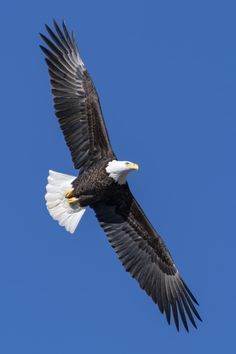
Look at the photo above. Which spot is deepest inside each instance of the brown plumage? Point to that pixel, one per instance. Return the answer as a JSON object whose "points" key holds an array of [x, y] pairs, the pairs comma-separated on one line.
{"points": [[137, 244], [76, 101]]}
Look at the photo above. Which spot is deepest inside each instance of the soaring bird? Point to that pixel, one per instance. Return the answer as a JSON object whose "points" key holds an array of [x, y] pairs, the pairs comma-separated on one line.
{"points": [[101, 183]]}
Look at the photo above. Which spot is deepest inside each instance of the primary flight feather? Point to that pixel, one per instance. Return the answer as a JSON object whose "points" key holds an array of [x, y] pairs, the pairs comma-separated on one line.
{"points": [[101, 183]]}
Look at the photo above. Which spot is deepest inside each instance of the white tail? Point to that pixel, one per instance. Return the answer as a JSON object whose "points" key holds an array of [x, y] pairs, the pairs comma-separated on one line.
{"points": [[67, 215]]}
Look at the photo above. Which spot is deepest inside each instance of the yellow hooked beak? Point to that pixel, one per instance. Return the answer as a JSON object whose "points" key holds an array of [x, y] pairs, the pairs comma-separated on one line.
{"points": [[134, 166]]}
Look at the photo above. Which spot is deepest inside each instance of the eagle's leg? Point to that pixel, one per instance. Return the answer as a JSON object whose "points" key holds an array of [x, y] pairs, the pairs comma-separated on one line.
{"points": [[83, 200], [70, 197], [87, 199]]}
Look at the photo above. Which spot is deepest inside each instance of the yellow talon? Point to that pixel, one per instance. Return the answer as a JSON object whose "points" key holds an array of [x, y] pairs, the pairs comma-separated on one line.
{"points": [[70, 197], [72, 200], [69, 194]]}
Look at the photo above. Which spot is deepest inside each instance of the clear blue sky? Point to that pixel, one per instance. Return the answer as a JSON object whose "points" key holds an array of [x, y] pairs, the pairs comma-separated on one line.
{"points": [[166, 75]]}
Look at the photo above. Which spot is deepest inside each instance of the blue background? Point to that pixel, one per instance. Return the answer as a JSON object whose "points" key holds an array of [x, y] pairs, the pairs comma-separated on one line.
{"points": [[166, 75]]}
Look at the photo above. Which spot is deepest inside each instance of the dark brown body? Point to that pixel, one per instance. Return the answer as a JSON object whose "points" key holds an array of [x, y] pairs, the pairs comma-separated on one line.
{"points": [[94, 185]]}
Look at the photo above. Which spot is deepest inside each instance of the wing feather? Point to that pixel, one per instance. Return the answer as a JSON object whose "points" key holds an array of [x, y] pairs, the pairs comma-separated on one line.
{"points": [[144, 254], [76, 101]]}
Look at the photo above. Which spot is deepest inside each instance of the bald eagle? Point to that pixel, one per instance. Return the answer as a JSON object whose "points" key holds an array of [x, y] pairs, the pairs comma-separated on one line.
{"points": [[101, 183]]}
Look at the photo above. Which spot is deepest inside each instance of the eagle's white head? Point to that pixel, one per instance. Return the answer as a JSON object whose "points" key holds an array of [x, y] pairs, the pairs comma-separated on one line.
{"points": [[118, 170]]}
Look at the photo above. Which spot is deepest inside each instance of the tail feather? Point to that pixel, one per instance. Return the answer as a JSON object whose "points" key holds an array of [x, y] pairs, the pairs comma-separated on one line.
{"points": [[67, 215]]}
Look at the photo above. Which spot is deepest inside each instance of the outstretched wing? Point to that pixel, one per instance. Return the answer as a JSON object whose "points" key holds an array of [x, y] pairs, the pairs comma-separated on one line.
{"points": [[76, 101], [143, 254]]}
